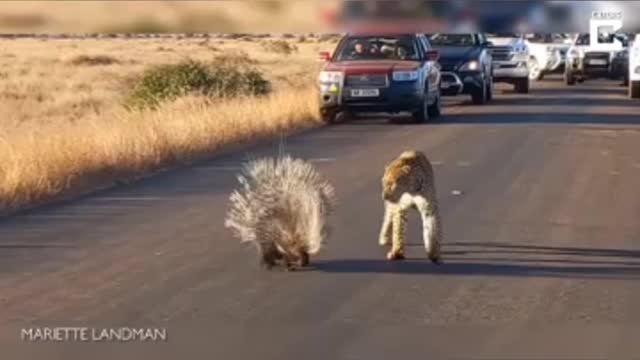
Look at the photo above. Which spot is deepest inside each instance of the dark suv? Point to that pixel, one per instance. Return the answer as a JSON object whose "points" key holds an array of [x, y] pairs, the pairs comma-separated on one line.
{"points": [[466, 66], [381, 73]]}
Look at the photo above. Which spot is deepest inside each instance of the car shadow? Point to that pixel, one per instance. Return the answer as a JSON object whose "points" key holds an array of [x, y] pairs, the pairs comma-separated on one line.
{"points": [[539, 118], [461, 259], [551, 100]]}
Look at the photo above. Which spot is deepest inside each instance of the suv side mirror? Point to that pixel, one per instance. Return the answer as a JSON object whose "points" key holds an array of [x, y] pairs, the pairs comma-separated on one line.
{"points": [[325, 56], [432, 55]]}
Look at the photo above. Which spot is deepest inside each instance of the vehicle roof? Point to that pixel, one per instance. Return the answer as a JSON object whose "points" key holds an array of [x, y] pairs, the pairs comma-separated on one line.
{"points": [[382, 33]]}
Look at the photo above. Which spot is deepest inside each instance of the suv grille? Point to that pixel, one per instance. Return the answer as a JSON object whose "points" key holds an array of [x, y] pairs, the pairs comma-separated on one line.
{"points": [[501, 53], [597, 55], [602, 59], [447, 65], [377, 80]]}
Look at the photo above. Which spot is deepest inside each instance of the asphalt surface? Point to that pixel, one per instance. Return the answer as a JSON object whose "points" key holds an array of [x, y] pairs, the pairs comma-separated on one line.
{"points": [[541, 212]]}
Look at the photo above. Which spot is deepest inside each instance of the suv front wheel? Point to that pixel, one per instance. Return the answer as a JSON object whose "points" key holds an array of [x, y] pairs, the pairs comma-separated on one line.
{"points": [[634, 89], [435, 109], [522, 85], [479, 95], [328, 116], [569, 78], [422, 114]]}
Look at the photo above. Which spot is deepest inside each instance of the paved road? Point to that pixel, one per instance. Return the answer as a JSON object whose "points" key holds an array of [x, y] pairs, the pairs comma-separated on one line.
{"points": [[542, 248]]}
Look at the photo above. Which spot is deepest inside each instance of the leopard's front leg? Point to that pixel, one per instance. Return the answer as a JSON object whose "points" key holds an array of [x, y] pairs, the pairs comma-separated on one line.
{"points": [[399, 220], [387, 225]]}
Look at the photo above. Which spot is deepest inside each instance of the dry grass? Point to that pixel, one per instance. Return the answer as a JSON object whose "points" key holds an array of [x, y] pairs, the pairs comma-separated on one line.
{"points": [[160, 16], [64, 129], [94, 60]]}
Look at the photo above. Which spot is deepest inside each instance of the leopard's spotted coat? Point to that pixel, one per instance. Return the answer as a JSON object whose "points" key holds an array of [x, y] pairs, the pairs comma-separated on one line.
{"points": [[408, 183]]}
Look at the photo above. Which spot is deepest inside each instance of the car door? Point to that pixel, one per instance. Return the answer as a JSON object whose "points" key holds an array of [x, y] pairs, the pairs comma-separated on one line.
{"points": [[431, 69], [485, 57]]}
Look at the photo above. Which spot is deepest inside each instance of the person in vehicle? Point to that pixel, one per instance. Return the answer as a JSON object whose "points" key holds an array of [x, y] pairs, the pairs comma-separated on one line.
{"points": [[402, 53], [358, 50]]}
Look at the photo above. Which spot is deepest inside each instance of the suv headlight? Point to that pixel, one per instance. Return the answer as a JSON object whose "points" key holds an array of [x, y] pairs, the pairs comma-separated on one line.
{"points": [[520, 49], [330, 77], [472, 65], [623, 54], [405, 75]]}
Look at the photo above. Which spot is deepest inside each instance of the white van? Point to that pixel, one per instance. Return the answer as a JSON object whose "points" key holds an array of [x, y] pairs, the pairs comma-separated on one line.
{"points": [[634, 68]]}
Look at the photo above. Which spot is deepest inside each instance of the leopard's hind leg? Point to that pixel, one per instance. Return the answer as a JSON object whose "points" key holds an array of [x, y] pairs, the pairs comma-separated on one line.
{"points": [[431, 228]]}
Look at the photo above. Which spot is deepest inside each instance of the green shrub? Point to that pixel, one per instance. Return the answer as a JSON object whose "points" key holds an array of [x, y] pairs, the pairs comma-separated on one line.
{"points": [[168, 82]]}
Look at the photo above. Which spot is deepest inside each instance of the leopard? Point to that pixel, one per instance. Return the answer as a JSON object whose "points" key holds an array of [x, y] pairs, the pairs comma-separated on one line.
{"points": [[409, 183]]}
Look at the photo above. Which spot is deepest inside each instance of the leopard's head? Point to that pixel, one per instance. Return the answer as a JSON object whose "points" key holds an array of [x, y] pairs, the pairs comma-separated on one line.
{"points": [[395, 182]]}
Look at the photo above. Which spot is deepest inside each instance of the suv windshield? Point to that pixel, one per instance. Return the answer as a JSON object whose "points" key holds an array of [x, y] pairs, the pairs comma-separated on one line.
{"points": [[453, 40], [603, 38], [400, 47], [503, 35], [547, 38]]}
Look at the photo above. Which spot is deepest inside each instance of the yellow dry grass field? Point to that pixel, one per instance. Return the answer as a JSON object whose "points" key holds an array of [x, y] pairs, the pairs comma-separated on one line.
{"points": [[64, 128], [160, 16]]}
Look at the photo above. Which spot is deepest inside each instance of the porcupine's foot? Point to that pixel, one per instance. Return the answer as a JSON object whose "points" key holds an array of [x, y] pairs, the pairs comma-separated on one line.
{"points": [[267, 263], [289, 263], [395, 255]]}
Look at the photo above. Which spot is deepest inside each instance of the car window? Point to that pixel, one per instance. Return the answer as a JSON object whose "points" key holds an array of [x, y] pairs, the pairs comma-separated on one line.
{"points": [[603, 38], [453, 40], [426, 45], [546, 38], [400, 47]]}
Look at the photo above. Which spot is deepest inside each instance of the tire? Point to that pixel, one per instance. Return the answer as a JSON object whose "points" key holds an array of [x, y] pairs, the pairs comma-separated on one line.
{"points": [[522, 86], [569, 79], [634, 89], [535, 73], [421, 116], [479, 95], [328, 116], [435, 109], [490, 89]]}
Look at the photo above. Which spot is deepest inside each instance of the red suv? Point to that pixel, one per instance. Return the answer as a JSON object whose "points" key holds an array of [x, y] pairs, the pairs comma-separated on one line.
{"points": [[381, 73]]}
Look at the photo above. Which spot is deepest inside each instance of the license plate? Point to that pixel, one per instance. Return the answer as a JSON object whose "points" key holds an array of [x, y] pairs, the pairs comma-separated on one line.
{"points": [[365, 92], [597, 62], [445, 85]]}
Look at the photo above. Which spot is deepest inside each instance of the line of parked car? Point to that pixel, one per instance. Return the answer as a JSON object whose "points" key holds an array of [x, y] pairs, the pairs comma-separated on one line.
{"points": [[372, 72]]}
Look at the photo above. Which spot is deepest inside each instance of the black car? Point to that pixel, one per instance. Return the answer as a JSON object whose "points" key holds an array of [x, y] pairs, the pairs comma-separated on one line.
{"points": [[465, 64]]}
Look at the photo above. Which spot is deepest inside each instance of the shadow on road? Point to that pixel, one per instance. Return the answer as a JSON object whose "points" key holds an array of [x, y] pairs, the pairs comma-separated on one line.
{"points": [[578, 89], [551, 100], [575, 263], [498, 247], [538, 118]]}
